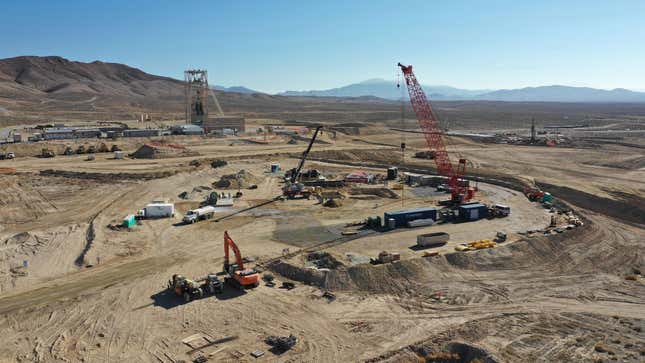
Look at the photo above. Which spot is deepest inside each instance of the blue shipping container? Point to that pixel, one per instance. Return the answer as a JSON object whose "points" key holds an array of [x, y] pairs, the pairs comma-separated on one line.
{"points": [[402, 217], [472, 211]]}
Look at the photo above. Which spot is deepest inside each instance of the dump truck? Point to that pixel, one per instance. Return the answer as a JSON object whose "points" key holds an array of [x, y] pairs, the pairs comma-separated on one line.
{"points": [[199, 214]]}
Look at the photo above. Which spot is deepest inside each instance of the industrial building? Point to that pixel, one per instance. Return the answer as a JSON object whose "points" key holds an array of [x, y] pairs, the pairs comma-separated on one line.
{"points": [[403, 217], [221, 123], [472, 211], [70, 133], [142, 132], [187, 130]]}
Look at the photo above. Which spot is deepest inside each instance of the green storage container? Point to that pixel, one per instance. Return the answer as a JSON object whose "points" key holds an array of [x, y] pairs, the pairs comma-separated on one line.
{"points": [[129, 221], [547, 197]]}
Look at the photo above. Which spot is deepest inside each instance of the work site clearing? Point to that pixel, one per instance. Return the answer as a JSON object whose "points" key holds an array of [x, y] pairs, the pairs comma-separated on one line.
{"points": [[331, 246]]}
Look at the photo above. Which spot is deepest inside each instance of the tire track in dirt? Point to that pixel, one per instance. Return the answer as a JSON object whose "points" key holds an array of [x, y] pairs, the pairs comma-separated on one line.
{"points": [[85, 282]]}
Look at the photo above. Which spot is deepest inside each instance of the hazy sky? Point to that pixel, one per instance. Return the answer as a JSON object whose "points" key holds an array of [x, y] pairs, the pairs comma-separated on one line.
{"points": [[294, 45]]}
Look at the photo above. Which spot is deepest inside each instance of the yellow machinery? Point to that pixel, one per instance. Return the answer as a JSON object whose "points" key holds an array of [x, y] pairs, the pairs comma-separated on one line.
{"points": [[476, 245]]}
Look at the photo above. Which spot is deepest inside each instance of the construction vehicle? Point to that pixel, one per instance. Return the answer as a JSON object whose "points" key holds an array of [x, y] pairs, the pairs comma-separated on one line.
{"points": [[533, 194], [68, 151], [500, 237], [498, 211], [476, 245], [433, 133], [385, 257], [102, 148], [46, 153], [186, 288], [81, 149], [212, 284], [238, 276], [293, 188], [91, 149], [7, 156], [281, 344], [115, 148], [199, 214]]}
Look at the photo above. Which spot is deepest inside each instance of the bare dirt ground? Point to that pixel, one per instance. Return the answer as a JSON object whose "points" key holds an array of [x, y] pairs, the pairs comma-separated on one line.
{"points": [[92, 294]]}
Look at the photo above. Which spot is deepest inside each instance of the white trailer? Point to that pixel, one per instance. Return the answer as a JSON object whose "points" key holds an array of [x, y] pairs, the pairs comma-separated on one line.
{"points": [[158, 210], [199, 214]]}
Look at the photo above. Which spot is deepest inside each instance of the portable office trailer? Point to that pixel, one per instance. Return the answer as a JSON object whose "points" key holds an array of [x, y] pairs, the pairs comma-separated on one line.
{"points": [[472, 211], [401, 218]]}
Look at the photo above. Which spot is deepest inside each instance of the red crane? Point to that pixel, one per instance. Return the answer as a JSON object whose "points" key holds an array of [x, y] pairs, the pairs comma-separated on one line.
{"points": [[429, 124]]}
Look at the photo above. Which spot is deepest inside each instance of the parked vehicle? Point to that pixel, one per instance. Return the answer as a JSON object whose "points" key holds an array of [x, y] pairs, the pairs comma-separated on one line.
{"points": [[199, 214], [8, 155], [186, 288]]}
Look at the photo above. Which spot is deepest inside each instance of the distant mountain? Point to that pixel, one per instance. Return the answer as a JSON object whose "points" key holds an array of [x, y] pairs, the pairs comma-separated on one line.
{"points": [[236, 89], [57, 78], [564, 94], [386, 89], [38, 88]]}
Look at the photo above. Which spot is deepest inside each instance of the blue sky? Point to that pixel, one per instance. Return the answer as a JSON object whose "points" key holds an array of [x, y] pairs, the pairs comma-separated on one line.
{"points": [[294, 45]]}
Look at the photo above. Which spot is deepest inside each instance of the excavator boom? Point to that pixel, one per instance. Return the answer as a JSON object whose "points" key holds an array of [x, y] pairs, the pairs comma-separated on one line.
{"points": [[229, 243], [242, 277]]}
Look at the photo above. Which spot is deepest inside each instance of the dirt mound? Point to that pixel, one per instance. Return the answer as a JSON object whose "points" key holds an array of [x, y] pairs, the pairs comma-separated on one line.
{"points": [[388, 156], [333, 203], [217, 163], [324, 260], [629, 164], [107, 177], [626, 207], [379, 192], [242, 179]]}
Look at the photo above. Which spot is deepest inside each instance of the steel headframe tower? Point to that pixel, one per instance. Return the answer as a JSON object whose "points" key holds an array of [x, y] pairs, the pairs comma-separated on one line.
{"points": [[197, 91], [429, 124]]}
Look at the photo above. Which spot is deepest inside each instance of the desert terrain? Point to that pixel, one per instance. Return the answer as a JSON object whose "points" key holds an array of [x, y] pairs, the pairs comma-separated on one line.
{"points": [[75, 288]]}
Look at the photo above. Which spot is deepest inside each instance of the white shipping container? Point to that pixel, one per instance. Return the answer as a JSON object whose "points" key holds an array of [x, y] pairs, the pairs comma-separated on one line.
{"points": [[432, 239], [159, 210]]}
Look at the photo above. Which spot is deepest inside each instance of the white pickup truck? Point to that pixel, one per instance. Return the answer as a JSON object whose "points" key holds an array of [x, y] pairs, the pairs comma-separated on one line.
{"points": [[199, 214]]}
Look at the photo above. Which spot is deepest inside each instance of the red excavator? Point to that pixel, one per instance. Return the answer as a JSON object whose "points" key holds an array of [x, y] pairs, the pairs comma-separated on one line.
{"points": [[239, 276]]}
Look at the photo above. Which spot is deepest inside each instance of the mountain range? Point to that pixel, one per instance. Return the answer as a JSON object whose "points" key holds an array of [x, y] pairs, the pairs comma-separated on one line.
{"points": [[52, 87], [556, 93], [49, 85]]}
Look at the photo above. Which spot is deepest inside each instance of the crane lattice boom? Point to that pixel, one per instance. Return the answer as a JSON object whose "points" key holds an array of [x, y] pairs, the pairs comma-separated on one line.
{"points": [[429, 124]]}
